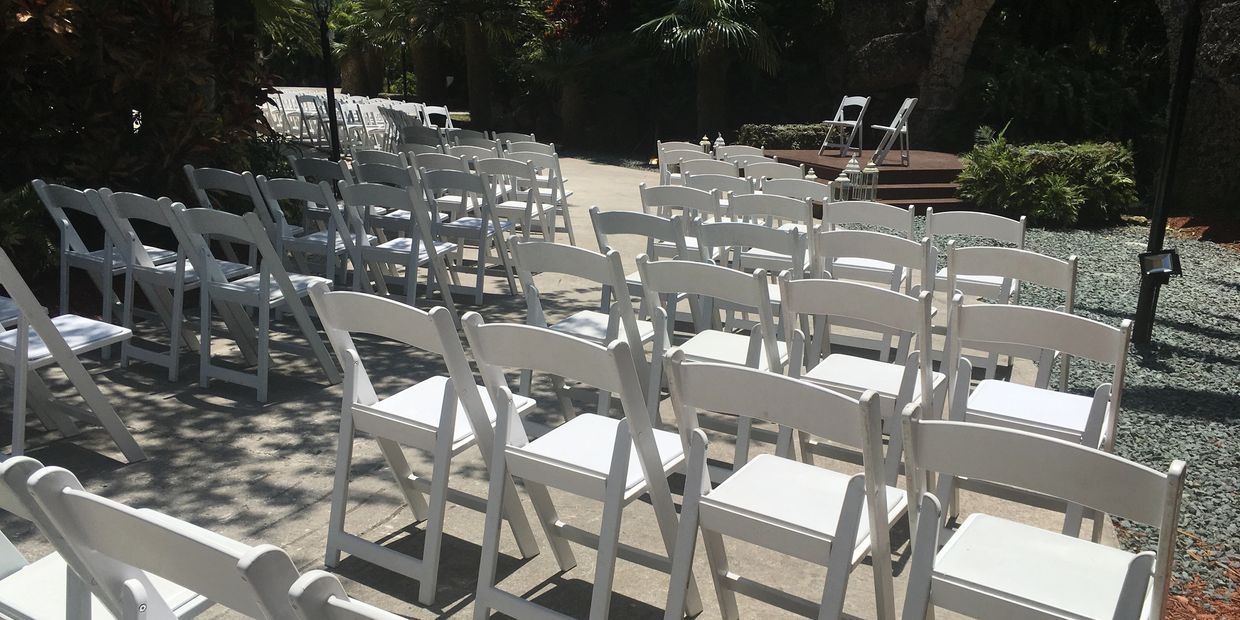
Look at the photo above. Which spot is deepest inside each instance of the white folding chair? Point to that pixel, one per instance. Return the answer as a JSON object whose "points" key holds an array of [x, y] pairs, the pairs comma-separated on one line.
{"points": [[419, 245], [455, 135], [694, 205], [215, 188], [37, 342], [319, 595], [441, 415], [515, 184], [103, 264], [760, 171], [611, 461], [119, 211], [53, 586], [504, 137], [772, 211], [670, 160], [862, 266], [814, 514], [551, 183], [251, 580], [816, 304], [367, 156], [317, 170], [1086, 420], [471, 152], [652, 228], [896, 131], [597, 326], [416, 134], [728, 152], [846, 130], [968, 269], [485, 230], [995, 568], [709, 289], [439, 111], [271, 288], [975, 224], [330, 245], [720, 184], [747, 246]]}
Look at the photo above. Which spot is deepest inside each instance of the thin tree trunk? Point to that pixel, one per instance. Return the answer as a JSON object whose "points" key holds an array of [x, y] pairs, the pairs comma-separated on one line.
{"points": [[574, 111], [478, 74], [425, 64], [712, 92]]}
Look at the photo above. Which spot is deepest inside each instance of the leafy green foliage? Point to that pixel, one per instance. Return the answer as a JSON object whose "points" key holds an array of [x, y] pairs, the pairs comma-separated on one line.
{"points": [[697, 29], [1054, 184], [799, 136]]}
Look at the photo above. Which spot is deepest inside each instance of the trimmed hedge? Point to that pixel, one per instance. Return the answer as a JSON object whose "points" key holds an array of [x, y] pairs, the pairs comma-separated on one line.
{"points": [[800, 136], [1054, 184]]}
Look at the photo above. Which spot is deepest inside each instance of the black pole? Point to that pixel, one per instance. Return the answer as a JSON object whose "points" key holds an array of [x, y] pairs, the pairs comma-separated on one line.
{"points": [[1176, 111], [404, 72], [329, 79]]}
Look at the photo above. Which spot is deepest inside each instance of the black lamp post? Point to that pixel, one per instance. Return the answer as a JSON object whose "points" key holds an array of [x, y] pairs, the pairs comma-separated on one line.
{"points": [[404, 71], [322, 10]]}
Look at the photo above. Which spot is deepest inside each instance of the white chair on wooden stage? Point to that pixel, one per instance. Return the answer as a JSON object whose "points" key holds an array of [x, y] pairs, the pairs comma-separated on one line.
{"points": [[441, 415], [895, 133], [38, 341], [251, 580], [611, 461], [846, 130], [814, 514], [56, 585], [995, 568]]}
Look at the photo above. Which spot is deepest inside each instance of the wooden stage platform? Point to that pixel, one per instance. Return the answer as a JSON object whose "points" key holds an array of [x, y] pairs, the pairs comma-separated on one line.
{"points": [[928, 180]]}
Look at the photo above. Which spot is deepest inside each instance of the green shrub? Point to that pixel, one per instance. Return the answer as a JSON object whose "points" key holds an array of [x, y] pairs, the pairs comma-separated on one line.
{"points": [[1053, 184], [801, 136]]}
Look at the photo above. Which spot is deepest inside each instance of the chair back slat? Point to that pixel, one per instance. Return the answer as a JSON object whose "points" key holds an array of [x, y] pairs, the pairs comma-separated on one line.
{"points": [[834, 244], [774, 170], [798, 188], [976, 224], [866, 213], [544, 257], [664, 277], [666, 200], [1041, 328], [771, 208], [720, 183], [396, 176], [852, 300], [316, 169], [706, 165], [508, 345], [1013, 263], [439, 161]]}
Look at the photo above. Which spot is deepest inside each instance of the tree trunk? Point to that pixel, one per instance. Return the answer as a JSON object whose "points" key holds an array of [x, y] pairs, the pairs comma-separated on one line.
{"points": [[424, 62], [712, 92], [952, 26], [478, 74], [574, 111]]}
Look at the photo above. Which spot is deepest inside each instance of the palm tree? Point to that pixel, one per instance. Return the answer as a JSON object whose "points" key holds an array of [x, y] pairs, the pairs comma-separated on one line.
{"points": [[712, 34]]}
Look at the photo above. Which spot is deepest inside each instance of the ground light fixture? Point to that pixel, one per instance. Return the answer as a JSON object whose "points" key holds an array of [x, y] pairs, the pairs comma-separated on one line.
{"points": [[323, 10], [1156, 270]]}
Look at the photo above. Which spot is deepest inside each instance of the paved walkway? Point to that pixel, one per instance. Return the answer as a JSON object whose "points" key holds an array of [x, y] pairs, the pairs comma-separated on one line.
{"points": [[263, 474]]}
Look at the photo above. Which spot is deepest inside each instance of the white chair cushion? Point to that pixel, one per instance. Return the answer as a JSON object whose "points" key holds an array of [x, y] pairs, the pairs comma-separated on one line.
{"points": [[38, 591], [586, 442], [80, 333], [858, 374], [1075, 577], [471, 225], [231, 270], [726, 348], [251, 285], [1025, 407], [404, 245], [592, 325], [420, 403]]}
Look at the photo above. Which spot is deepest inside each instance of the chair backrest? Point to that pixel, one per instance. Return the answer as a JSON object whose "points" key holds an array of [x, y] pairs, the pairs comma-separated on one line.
{"points": [[314, 169], [251, 580], [439, 161], [745, 160], [360, 198], [861, 103], [417, 134], [529, 146], [798, 188], [1013, 264], [727, 152], [412, 150], [370, 156], [438, 111], [669, 200], [673, 145], [195, 227], [396, 176], [742, 391], [720, 183], [611, 369], [319, 595], [471, 187], [205, 181], [763, 170], [902, 115], [469, 134], [865, 213], [117, 212], [975, 224], [504, 137], [1054, 467], [468, 152], [56, 199], [708, 166], [507, 177], [771, 210], [546, 163], [651, 227], [677, 156], [277, 191], [911, 255], [733, 241]]}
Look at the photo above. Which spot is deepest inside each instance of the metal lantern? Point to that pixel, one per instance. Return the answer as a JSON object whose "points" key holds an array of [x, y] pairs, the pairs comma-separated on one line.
{"points": [[705, 143], [869, 183], [811, 175], [840, 188], [719, 141]]}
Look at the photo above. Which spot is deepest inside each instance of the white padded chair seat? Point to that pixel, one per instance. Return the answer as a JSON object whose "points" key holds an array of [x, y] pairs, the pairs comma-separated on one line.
{"points": [[250, 285], [586, 442], [1028, 408], [1065, 576], [158, 256], [470, 225], [420, 403], [865, 264], [791, 494], [726, 348], [80, 333], [9, 312], [404, 245], [546, 193], [38, 591], [231, 270], [519, 205], [319, 240], [402, 215], [592, 325], [858, 374]]}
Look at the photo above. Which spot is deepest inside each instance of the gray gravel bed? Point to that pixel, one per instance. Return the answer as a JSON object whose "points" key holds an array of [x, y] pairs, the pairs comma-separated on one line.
{"points": [[1182, 398]]}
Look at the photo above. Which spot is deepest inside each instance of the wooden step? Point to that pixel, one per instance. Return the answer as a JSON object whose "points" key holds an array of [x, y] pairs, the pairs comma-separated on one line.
{"points": [[915, 190]]}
